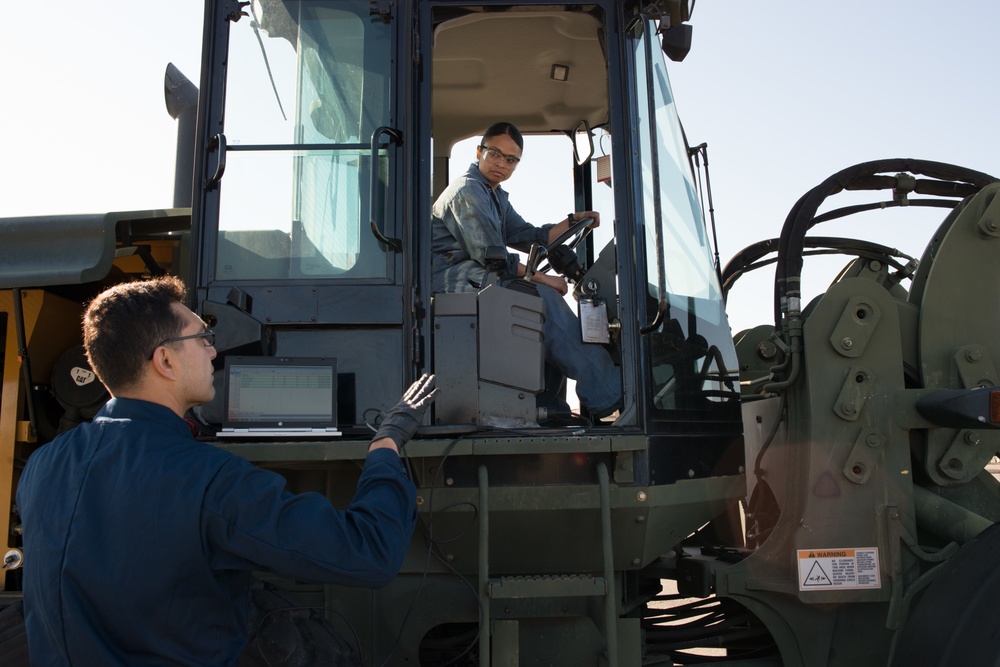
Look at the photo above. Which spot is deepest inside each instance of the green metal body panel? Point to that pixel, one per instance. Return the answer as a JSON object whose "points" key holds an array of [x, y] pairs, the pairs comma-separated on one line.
{"points": [[75, 249], [855, 464]]}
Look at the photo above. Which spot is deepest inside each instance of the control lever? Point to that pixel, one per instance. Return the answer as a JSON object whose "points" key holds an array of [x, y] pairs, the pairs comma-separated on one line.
{"points": [[535, 255], [498, 261]]}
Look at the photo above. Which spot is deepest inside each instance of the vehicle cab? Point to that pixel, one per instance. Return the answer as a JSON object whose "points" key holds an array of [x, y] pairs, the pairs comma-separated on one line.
{"points": [[338, 127]]}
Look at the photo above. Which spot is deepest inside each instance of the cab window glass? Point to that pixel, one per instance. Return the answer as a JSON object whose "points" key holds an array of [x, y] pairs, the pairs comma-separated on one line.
{"points": [[689, 370], [308, 83]]}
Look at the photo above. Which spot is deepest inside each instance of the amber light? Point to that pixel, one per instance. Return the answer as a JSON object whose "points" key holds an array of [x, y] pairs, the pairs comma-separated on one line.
{"points": [[995, 406]]}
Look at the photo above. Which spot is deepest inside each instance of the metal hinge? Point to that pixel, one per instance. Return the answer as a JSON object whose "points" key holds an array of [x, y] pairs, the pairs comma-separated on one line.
{"points": [[381, 9], [234, 9]]}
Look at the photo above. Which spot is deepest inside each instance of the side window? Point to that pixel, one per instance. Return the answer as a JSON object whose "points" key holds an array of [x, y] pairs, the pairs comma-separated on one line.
{"points": [[308, 83], [688, 368], [676, 242]]}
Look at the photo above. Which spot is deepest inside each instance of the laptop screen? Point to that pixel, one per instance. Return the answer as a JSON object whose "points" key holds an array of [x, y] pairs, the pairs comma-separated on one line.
{"points": [[280, 392]]}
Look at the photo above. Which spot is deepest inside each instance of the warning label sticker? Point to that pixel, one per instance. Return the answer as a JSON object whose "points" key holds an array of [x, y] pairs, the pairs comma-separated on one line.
{"points": [[838, 569]]}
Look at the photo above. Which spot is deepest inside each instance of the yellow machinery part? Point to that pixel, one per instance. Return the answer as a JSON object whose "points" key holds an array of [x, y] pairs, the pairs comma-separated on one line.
{"points": [[51, 326]]}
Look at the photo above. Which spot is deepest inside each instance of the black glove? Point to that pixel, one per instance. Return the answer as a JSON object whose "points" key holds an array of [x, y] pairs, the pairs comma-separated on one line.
{"points": [[400, 423]]}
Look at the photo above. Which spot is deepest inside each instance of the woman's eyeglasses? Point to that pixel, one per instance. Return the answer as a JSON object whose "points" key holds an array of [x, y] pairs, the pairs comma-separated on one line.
{"points": [[494, 155]]}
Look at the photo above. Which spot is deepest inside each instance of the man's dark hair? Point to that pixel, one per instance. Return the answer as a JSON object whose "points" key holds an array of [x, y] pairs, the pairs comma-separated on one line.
{"points": [[124, 324], [498, 129]]}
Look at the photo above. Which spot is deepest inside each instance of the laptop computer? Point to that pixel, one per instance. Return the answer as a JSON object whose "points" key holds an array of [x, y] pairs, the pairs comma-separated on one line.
{"points": [[279, 397]]}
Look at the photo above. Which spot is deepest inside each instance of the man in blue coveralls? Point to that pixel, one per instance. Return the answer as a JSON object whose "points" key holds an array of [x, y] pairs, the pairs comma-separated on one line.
{"points": [[139, 541]]}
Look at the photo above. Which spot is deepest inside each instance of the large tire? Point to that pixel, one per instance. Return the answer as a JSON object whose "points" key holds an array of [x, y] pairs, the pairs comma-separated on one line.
{"points": [[955, 622]]}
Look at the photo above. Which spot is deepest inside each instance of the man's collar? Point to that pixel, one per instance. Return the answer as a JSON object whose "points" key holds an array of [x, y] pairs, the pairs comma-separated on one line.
{"points": [[135, 408]]}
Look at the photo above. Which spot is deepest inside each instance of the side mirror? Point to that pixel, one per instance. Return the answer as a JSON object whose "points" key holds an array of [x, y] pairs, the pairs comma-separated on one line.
{"points": [[676, 41], [583, 142]]}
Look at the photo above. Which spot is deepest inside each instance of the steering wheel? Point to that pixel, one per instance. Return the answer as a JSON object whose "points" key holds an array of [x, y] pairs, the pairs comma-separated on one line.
{"points": [[580, 229]]}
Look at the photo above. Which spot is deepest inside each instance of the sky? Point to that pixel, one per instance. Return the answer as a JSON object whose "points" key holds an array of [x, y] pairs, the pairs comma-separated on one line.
{"points": [[785, 93]]}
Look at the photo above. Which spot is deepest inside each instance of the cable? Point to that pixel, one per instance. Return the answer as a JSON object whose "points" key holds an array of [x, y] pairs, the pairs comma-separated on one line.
{"points": [[757, 472], [430, 548], [482, 612], [256, 31]]}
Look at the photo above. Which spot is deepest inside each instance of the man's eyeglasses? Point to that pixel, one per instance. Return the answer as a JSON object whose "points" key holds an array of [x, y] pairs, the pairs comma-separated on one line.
{"points": [[494, 155], [208, 335]]}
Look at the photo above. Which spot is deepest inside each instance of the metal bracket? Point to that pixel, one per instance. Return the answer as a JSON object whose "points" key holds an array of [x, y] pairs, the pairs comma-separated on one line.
{"points": [[381, 9], [855, 328], [234, 10], [969, 452], [975, 366], [989, 227], [859, 386], [864, 456]]}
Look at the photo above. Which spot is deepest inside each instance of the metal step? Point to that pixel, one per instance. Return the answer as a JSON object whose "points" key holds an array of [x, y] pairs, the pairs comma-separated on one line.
{"points": [[547, 586]]}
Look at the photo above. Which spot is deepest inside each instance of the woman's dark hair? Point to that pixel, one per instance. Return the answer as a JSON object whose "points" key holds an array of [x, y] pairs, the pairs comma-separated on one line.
{"points": [[124, 324], [497, 129]]}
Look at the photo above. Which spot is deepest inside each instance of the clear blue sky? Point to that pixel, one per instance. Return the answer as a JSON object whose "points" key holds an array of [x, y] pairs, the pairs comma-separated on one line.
{"points": [[785, 93], [788, 92]]}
